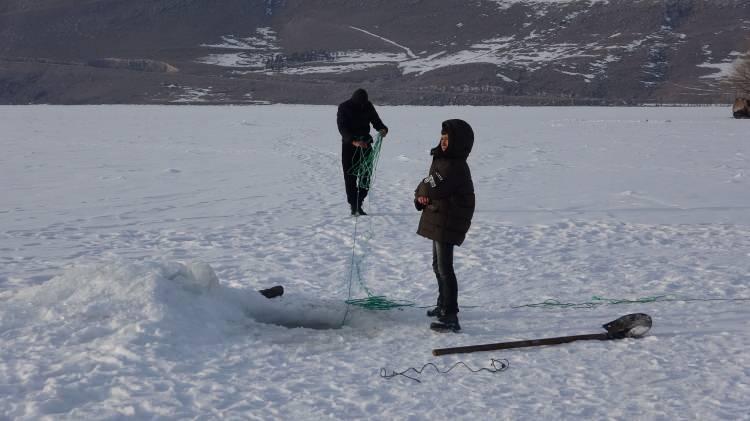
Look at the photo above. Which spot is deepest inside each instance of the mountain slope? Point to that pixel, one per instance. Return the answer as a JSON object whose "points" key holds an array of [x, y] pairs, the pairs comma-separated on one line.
{"points": [[421, 52]]}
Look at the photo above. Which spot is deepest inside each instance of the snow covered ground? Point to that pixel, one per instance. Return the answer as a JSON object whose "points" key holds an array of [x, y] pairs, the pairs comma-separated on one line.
{"points": [[133, 238]]}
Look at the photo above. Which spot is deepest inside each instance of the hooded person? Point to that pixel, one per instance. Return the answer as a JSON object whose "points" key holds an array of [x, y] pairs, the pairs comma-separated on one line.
{"points": [[446, 199], [354, 118]]}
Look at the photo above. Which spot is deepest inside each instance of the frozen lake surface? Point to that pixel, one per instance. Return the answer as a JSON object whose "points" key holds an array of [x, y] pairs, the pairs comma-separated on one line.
{"points": [[133, 239]]}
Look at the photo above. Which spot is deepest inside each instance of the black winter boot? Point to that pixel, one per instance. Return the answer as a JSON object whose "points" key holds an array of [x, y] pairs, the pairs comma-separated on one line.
{"points": [[435, 312], [445, 323], [357, 210]]}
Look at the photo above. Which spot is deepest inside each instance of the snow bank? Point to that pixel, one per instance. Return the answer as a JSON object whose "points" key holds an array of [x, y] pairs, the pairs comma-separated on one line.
{"points": [[84, 343], [143, 301], [153, 301]]}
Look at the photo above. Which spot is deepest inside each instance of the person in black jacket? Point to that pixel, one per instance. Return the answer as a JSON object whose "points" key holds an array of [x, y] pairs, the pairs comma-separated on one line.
{"points": [[446, 199], [354, 118]]}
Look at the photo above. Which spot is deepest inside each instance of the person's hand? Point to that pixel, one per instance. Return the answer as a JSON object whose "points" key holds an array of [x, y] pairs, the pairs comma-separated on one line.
{"points": [[423, 200], [360, 144], [383, 132]]}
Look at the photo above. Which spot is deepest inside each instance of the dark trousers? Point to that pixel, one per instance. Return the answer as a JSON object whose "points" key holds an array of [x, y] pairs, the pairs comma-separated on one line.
{"points": [[442, 264], [354, 195]]}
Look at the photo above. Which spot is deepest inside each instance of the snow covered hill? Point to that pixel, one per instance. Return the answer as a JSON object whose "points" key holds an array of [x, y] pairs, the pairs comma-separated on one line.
{"points": [[616, 52], [133, 240]]}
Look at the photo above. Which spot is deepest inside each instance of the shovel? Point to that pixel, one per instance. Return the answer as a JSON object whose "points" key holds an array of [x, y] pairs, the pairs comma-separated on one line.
{"points": [[630, 326]]}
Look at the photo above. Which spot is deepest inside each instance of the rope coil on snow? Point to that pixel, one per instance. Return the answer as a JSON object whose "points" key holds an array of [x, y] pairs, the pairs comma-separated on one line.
{"points": [[364, 164]]}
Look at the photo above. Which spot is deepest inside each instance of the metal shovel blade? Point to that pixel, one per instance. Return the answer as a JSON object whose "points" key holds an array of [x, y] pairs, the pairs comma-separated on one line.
{"points": [[633, 325]]}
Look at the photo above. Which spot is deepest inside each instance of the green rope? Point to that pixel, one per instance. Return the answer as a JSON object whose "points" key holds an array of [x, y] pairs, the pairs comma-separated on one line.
{"points": [[364, 164], [599, 301], [378, 302]]}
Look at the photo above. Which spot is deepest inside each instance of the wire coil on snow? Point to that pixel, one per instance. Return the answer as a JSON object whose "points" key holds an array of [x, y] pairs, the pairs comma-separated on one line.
{"points": [[496, 366]]}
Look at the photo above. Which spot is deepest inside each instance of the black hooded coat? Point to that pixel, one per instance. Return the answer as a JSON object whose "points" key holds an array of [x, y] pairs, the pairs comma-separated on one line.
{"points": [[449, 187], [354, 117]]}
